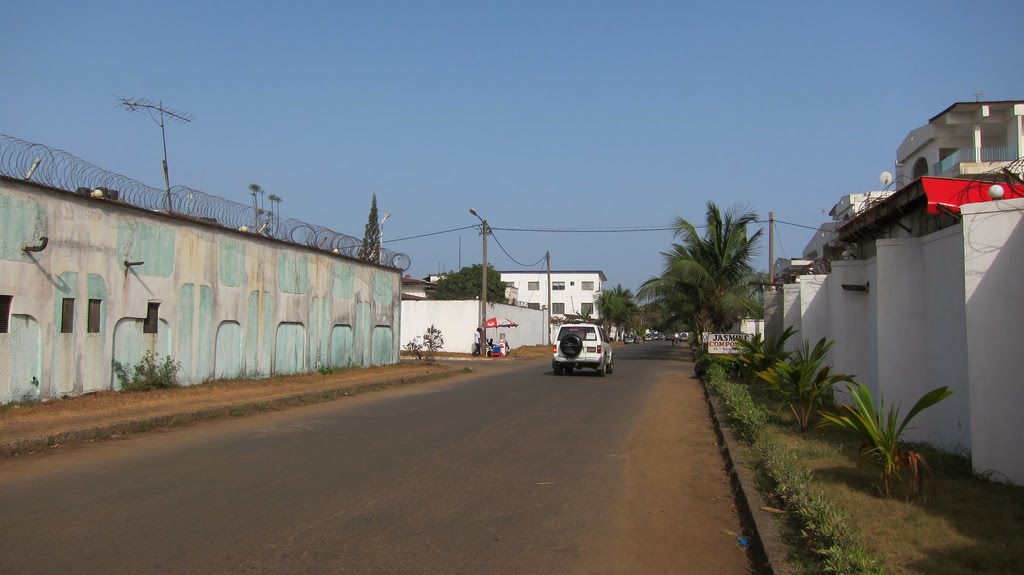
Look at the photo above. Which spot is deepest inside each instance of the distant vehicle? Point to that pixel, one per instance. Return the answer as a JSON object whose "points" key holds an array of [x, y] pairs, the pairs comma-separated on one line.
{"points": [[629, 338], [582, 345]]}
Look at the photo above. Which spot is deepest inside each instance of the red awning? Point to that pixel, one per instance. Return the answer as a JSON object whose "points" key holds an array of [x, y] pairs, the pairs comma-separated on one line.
{"points": [[951, 194]]}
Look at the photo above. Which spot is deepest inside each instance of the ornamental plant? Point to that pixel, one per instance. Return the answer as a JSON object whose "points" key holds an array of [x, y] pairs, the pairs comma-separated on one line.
{"points": [[802, 383], [881, 435]]}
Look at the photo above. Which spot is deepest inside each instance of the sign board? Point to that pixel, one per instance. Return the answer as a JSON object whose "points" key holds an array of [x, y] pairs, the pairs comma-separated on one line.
{"points": [[725, 342]]}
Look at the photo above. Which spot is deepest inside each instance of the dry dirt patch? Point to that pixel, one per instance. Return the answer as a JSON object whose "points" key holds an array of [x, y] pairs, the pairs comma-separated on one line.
{"points": [[18, 422]]}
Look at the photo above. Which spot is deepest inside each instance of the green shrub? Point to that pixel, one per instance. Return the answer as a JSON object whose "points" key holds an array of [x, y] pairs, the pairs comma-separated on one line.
{"points": [[148, 373], [823, 528], [801, 383]]}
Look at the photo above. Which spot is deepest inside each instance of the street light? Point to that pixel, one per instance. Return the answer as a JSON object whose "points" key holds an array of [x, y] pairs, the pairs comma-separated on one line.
{"points": [[483, 289], [380, 248]]}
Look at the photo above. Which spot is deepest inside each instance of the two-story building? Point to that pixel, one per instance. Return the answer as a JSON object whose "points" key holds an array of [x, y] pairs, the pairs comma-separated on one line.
{"points": [[573, 293]]}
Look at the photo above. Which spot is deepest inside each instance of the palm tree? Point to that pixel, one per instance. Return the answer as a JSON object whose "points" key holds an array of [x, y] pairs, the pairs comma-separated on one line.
{"points": [[616, 306], [274, 198], [705, 278]]}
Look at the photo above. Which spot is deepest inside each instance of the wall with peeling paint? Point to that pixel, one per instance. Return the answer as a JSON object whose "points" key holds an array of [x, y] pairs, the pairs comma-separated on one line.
{"points": [[231, 304]]}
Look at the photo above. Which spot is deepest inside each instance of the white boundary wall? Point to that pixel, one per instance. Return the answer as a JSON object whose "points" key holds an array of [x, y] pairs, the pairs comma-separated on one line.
{"points": [[940, 310], [458, 319]]}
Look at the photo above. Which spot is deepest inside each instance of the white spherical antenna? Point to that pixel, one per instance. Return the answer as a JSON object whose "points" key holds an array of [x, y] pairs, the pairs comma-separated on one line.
{"points": [[886, 178], [995, 191]]}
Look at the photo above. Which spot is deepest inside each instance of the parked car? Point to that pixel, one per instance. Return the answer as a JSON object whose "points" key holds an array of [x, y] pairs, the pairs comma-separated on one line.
{"points": [[582, 345], [629, 338]]}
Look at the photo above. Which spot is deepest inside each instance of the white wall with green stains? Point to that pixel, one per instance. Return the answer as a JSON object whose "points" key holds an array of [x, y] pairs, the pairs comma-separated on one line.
{"points": [[231, 304]]}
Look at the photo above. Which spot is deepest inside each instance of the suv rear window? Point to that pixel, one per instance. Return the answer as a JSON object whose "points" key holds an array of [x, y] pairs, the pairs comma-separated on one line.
{"points": [[585, 333]]}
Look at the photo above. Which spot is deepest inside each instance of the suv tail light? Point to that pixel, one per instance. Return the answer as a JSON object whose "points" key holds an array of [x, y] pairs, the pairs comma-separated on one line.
{"points": [[554, 349], [598, 349]]}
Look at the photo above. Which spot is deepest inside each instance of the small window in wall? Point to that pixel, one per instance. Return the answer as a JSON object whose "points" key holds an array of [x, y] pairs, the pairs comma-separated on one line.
{"points": [[152, 318], [586, 309], [558, 308], [5, 312], [587, 286], [558, 286], [94, 316], [67, 315], [533, 286]]}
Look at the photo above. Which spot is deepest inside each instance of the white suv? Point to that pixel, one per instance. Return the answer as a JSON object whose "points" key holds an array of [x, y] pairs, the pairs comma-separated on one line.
{"points": [[582, 345]]}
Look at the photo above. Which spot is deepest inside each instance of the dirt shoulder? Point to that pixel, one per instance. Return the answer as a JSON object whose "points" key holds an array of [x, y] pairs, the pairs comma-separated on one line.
{"points": [[29, 427], [676, 504]]}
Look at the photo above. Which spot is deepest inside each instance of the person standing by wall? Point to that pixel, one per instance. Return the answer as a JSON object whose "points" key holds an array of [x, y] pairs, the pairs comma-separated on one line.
{"points": [[476, 342]]}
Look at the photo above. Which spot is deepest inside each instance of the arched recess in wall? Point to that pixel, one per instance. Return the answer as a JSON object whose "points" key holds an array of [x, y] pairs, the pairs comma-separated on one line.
{"points": [[290, 348], [920, 168], [383, 345], [228, 353], [131, 344], [21, 360], [341, 346]]}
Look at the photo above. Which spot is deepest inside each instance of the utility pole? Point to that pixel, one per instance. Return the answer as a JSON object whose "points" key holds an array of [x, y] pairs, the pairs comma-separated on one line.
{"points": [[157, 112], [483, 279], [771, 246], [548, 256]]}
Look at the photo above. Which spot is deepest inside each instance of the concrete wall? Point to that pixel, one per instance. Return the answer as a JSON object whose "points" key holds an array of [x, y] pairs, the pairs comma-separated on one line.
{"points": [[230, 304], [457, 321], [940, 311], [994, 266]]}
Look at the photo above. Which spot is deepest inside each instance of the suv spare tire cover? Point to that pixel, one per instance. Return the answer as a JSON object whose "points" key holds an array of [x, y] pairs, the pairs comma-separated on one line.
{"points": [[571, 345]]}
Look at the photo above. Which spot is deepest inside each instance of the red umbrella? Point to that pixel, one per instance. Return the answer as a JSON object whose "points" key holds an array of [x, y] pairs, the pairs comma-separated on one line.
{"points": [[497, 322]]}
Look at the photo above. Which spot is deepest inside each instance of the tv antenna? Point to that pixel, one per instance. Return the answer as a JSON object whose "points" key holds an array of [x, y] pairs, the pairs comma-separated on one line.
{"points": [[157, 112], [978, 95]]}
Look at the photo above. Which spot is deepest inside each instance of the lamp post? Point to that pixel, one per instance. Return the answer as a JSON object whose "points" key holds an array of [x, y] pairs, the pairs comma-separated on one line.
{"points": [[483, 289], [380, 248]]}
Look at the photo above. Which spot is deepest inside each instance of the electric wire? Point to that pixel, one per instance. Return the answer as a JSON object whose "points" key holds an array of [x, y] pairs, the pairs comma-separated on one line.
{"points": [[519, 263]]}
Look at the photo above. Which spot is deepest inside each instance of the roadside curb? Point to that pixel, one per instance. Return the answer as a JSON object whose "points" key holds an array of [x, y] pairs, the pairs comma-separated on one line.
{"points": [[766, 544], [142, 425]]}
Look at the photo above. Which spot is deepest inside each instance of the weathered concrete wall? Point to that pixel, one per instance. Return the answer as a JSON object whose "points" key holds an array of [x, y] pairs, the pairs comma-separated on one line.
{"points": [[230, 304]]}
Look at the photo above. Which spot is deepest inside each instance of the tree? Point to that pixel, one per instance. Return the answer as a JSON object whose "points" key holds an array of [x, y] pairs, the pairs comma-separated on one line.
{"points": [[705, 279], [616, 306], [465, 284], [370, 250]]}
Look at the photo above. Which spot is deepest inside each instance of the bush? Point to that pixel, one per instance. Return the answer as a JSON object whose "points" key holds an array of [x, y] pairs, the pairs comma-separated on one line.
{"points": [[148, 373], [823, 528], [427, 349]]}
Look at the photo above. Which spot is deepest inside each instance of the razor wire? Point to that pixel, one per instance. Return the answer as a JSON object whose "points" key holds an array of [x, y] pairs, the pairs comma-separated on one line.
{"points": [[57, 169]]}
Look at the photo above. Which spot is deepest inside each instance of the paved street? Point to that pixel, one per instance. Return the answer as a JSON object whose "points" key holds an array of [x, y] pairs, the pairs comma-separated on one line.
{"points": [[511, 472]]}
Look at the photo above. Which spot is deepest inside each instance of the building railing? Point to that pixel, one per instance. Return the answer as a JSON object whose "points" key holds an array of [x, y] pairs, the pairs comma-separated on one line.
{"points": [[53, 168], [965, 155]]}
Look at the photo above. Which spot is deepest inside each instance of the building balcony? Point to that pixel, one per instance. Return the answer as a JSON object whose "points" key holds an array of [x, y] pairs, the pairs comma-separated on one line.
{"points": [[952, 165]]}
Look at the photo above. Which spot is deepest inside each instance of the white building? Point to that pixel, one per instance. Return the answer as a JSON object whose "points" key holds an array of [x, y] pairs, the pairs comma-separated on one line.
{"points": [[966, 138], [572, 292]]}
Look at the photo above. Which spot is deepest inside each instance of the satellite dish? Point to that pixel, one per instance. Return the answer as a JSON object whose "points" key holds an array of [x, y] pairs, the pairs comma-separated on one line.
{"points": [[886, 178]]}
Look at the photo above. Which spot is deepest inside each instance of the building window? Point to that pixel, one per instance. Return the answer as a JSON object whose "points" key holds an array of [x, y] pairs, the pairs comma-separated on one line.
{"points": [[558, 308], [587, 286], [558, 286], [152, 318], [5, 312], [67, 315], [94, 316], [533, 305], [586, 309], [533, 286]]}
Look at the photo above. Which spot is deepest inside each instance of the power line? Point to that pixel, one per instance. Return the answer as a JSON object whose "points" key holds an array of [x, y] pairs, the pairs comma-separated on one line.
{"points": [[432, 234], [591, 230], [510, 256]]}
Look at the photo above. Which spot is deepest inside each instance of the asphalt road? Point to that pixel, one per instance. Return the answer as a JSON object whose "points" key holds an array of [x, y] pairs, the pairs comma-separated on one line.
{"points": [[501, 473]]}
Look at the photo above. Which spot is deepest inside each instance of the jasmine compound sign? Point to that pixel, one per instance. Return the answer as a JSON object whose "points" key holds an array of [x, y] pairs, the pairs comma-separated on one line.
{"points": [[724, 342]]}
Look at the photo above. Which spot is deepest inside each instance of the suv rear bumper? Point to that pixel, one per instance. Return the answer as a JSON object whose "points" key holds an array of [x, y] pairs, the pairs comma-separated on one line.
{"points": [[577, 363]]}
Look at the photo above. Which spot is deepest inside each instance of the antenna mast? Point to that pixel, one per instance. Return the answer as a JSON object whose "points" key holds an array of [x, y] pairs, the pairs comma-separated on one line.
{"points": [[157, 112]]}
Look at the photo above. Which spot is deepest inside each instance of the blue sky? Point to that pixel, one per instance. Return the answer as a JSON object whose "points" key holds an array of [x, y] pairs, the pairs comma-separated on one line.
{"points": [[563, 115]]}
